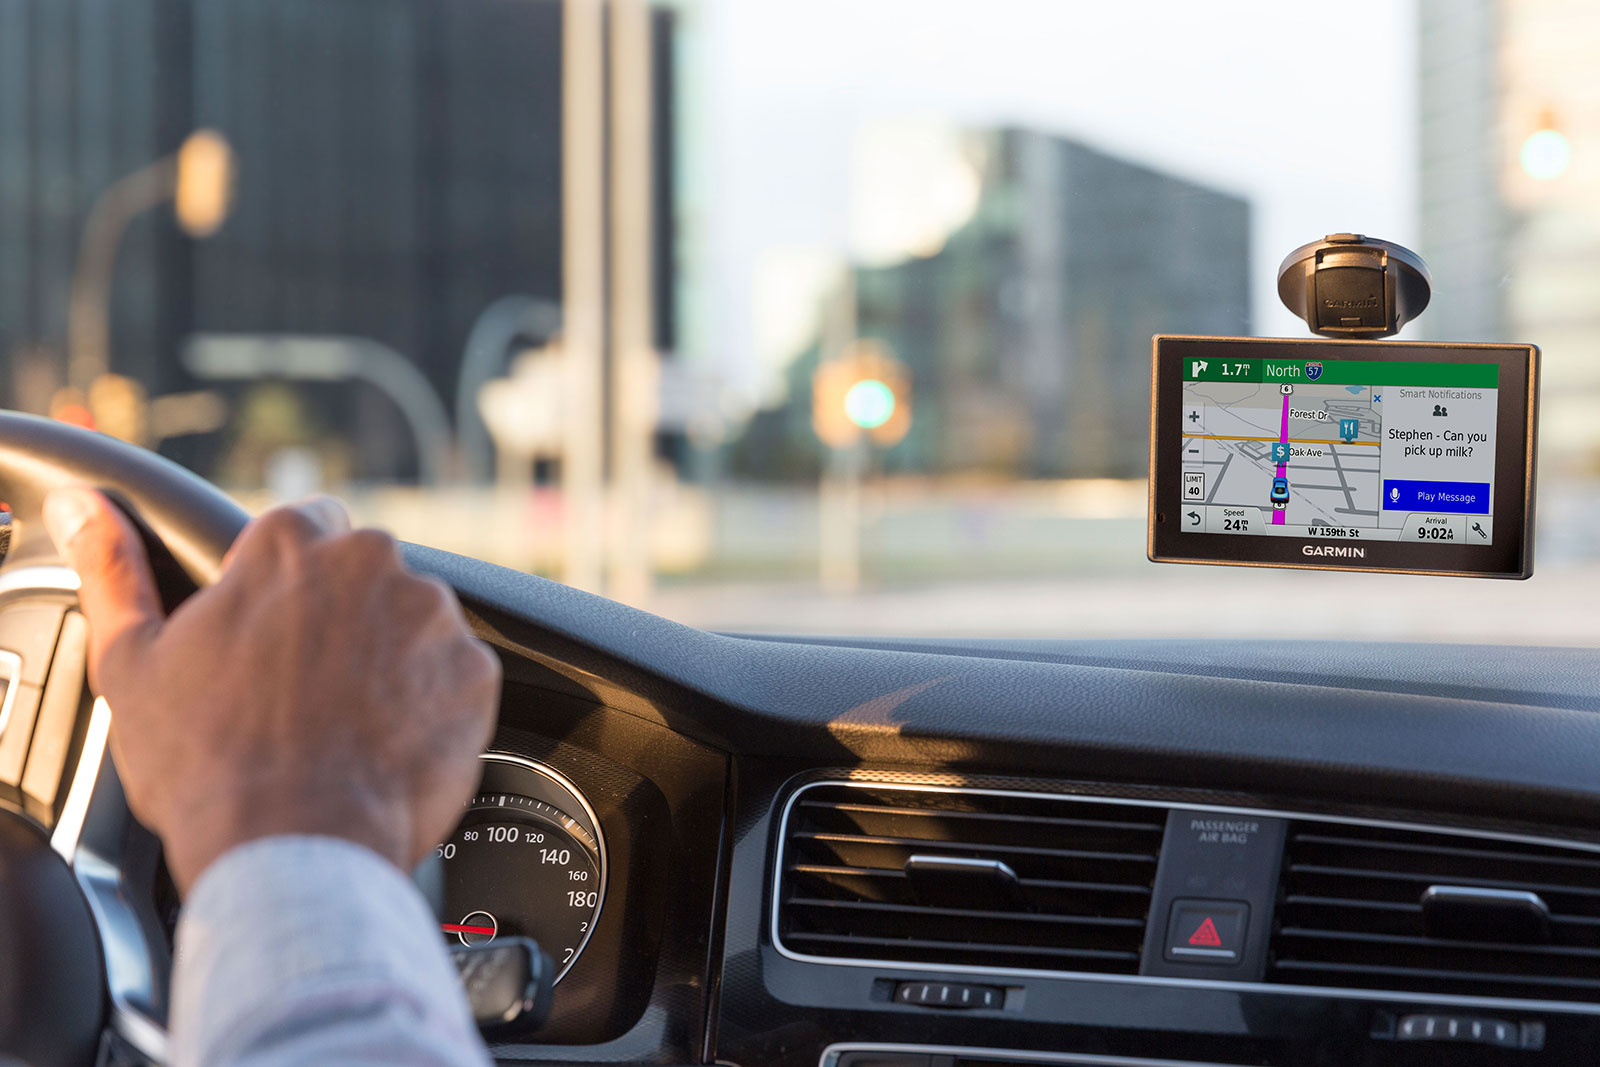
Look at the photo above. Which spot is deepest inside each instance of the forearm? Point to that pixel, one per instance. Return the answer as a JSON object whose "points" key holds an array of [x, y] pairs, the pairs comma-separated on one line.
{"points": [[296, 950]]}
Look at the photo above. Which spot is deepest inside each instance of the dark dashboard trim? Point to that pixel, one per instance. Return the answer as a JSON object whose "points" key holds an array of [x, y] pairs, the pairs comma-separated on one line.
{"points": [[1506, 732], [1566, 1007], [832, 1054]]}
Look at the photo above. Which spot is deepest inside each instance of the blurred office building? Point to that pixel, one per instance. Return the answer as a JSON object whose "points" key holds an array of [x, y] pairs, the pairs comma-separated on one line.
{"points": [[1465, 221], [1510, 196], [1027, 329], [398, 172]]}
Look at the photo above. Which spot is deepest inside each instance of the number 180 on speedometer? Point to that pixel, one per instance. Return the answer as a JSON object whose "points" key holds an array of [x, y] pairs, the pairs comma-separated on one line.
{"points": [[525, 861]]}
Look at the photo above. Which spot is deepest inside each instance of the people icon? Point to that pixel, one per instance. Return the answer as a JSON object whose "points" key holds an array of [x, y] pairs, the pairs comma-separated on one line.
{"points": [[1440, 411]]}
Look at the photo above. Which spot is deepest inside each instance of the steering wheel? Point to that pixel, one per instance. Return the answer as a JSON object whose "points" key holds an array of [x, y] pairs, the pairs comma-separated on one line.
{"points": [[83, 958]]}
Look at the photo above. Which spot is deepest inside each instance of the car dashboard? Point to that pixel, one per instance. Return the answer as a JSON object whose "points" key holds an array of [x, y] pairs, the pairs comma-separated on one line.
{"points": [[930, 854], [794, 852]]}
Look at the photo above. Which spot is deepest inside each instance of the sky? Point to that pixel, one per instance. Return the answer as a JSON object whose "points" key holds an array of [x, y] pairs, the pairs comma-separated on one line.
{"points": [[1254, 98]]}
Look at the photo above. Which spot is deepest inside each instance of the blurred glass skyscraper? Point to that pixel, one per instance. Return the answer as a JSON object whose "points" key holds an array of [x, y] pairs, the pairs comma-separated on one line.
{"points": [[399, 170], [1028, 332]]}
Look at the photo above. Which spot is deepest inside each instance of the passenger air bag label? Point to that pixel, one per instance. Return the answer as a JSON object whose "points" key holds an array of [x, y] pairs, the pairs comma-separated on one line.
{"points": [[1223, 831]]}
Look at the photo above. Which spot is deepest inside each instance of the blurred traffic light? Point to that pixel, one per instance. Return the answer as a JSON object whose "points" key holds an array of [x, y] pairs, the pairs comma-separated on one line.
{"points": [[69, 405], [1546, 154], [864, 391], [120, 407], [114, 405], [870, 403], [203, 189]]}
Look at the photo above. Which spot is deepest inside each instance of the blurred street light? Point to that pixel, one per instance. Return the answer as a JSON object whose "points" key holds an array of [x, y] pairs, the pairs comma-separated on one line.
{"points": [[1547, 153], [199, 178], [203, 193]]}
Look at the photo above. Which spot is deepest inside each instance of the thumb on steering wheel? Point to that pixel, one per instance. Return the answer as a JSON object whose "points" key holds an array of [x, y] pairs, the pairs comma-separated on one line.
{"points": [[118, 592]]}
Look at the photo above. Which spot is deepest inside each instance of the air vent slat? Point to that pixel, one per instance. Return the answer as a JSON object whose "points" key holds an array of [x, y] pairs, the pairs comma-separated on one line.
{"points": [[967, 913], [1484, 947], [1153, 827], [1493, 979], [937, 845], [1039, 883], [1350, 914], [974, 946], [1465, 852], [1084, 871], [1426, 878], [1347, 902]]}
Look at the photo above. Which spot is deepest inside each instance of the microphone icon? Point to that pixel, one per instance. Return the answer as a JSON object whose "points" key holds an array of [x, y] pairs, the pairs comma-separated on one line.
{"points": [[1394, 495]]}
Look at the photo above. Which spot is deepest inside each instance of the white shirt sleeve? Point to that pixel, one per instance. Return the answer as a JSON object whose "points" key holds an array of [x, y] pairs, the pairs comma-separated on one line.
{"points": [[297, 950]]}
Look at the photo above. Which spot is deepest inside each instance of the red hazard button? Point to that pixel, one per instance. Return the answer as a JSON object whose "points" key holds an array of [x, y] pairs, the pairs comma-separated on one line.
{"points": [[1207, 931], [1206, 936]]}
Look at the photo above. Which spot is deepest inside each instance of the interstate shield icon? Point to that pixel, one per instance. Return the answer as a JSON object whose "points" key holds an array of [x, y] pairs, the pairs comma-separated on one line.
{"points": [[1313, 371]]}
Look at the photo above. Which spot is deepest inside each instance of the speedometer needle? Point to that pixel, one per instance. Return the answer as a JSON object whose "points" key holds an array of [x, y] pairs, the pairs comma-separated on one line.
{"points": [[457, 928]]}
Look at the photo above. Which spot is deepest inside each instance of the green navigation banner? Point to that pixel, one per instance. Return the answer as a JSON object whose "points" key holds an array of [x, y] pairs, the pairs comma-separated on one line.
{"points": [[1342, 372]]}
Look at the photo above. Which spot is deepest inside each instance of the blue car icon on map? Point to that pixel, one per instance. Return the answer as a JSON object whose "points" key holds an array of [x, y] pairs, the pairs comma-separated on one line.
{"points": [[1280, 490]]}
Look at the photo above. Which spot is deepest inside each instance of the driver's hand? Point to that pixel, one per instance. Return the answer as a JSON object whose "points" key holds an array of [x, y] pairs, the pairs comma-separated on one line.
{"points": [[319, 687]]}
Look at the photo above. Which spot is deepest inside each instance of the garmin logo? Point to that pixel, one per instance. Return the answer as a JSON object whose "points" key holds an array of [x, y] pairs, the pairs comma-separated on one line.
{"points": [[1369, 302], [1347, 551]]}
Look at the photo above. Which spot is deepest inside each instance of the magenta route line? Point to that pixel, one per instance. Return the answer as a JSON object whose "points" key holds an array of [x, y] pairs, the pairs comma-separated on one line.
{"points": [[1283, 438]]}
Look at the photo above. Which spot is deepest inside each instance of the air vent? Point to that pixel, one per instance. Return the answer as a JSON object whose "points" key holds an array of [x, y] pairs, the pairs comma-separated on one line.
{"points": [[957, 877], [1503, 918]]}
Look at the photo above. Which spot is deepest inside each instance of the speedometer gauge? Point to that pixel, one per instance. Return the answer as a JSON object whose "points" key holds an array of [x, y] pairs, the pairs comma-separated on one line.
{"points": [[526, 860]]}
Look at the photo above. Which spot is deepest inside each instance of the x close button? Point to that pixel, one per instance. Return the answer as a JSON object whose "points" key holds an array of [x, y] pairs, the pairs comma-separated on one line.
{"points": [[1207, 931]]}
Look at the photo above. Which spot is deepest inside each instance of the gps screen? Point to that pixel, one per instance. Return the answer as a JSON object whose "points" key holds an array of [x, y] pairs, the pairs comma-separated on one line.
{"points": [[1368, 450], [1406, 456]]}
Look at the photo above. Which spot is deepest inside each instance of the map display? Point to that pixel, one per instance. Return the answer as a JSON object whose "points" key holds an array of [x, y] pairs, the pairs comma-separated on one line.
{"points": [[1347, 449]]}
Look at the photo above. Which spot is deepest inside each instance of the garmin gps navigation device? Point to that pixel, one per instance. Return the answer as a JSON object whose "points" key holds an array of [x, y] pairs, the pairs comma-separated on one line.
{"points": [[1346, 454], [1349, 455]]}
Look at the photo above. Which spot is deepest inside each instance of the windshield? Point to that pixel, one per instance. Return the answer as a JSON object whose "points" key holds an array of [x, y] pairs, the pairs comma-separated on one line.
{"points": [[800, 316]]}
